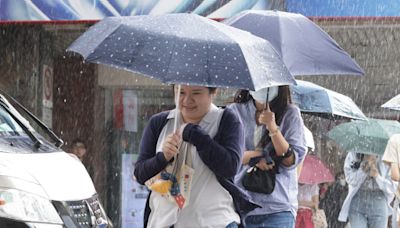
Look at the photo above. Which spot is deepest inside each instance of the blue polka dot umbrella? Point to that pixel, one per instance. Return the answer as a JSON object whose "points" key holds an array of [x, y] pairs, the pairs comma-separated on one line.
{"points": [[184, 49]]}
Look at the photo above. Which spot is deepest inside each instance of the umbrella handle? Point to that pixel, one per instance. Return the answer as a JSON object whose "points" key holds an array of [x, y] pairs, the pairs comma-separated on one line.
{"points": [[177, 113], [266, 106]]}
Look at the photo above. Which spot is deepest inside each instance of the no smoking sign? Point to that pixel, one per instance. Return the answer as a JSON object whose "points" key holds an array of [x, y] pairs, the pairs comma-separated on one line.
{"points": [[47, 83]]}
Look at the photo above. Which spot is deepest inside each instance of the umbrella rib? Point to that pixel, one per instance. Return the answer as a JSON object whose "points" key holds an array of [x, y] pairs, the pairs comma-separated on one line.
{"points": [[280, 39], [207, 62], [247, 64], [169, 63], [171, 53]]}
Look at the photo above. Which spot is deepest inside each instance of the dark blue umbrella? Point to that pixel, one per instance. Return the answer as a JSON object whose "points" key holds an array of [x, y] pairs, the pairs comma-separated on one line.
{"points": [[184, 49], [314, 99], [304, 47]]}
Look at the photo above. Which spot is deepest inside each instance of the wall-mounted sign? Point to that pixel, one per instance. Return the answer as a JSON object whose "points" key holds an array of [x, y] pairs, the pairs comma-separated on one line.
{"points": [[47, 86]]}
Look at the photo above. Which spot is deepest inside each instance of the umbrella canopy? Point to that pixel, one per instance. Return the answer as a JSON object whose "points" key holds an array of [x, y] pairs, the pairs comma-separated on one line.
{"points": [[184, 49], [304, 47], [367, 137], [314, 99], [393, 103], [314, 171]]}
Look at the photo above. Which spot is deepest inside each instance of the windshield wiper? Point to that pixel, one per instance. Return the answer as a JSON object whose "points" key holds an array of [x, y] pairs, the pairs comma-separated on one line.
{"points": [[36, 141], [58, 142]]}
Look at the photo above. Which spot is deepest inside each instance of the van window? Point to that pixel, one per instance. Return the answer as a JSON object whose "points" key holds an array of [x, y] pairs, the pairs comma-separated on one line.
{"points": [[8, 126]]}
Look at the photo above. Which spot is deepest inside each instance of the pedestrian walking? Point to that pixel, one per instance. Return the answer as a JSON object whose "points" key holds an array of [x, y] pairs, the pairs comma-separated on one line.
{"points": [[78, 148], [333, 200], [391, 156], [370, 191], [308, 198], [213, 139], [274, 141]]}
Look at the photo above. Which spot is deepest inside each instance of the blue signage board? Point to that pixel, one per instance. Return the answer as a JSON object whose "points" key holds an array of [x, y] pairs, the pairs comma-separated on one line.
{"points": [[345, 8], [53, 10], [78, 10]]}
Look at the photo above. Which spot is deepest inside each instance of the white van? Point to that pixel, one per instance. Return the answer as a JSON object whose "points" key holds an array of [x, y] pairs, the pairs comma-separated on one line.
{"points": [[40, 184]]}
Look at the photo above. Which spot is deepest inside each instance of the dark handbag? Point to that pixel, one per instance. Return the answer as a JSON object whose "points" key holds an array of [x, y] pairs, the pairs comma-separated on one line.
{"points": [[263, 181], [260, 181]]}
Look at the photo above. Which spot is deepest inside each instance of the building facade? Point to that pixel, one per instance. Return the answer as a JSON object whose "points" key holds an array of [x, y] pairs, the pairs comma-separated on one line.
{"points": [[109, 108]]}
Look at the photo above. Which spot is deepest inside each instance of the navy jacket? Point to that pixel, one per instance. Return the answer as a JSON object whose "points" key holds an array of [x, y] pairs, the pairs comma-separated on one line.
{"points": [[222, 155]]}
